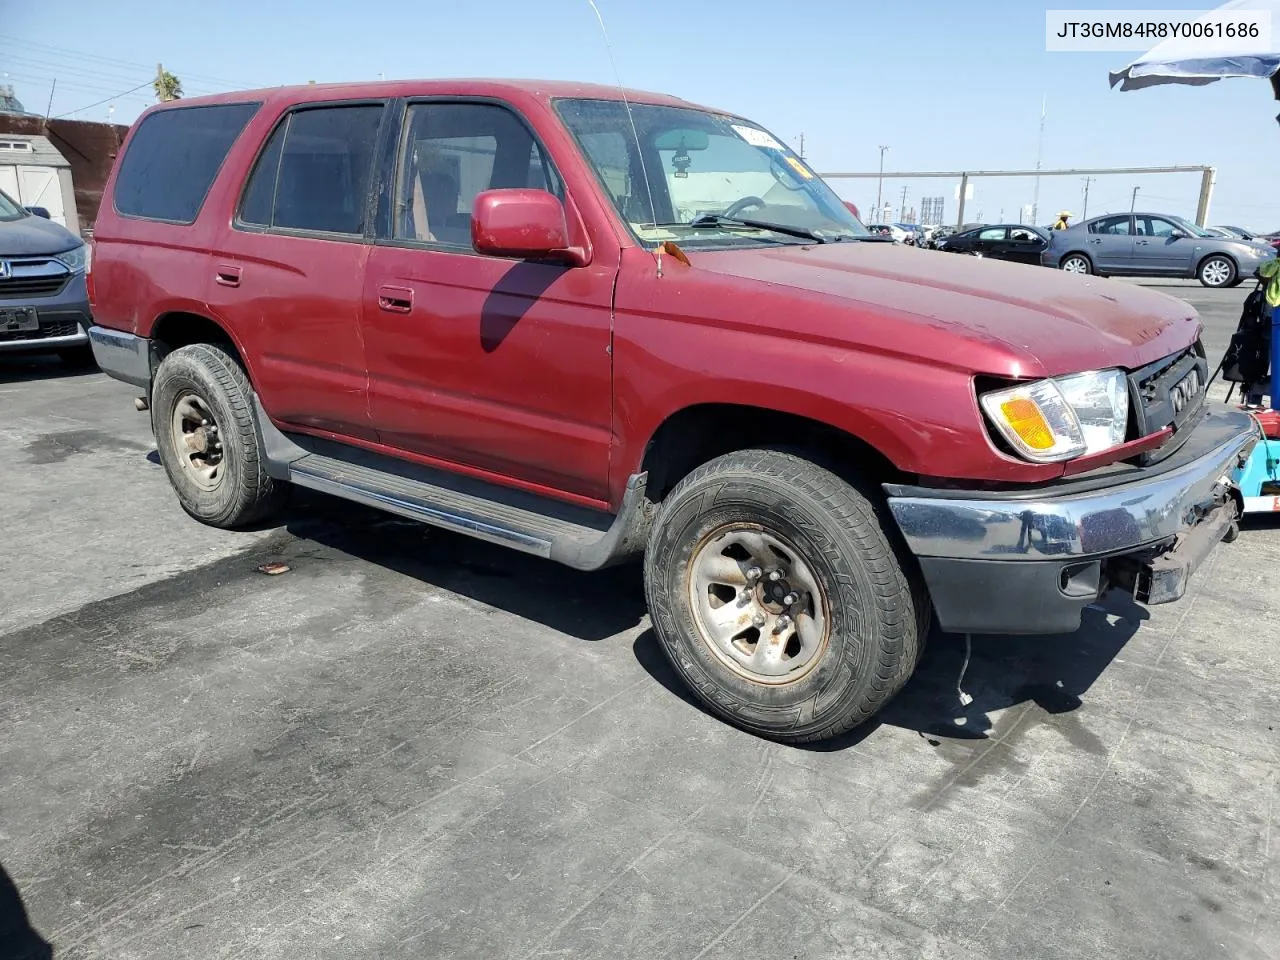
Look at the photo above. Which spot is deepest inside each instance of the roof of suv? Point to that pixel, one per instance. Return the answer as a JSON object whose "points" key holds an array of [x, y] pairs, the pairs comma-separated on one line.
{"points": [[543, 90]]}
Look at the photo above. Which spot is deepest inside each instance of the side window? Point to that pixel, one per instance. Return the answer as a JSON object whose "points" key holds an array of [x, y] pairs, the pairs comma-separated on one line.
{"points": [[314, 172], [260, 194], [1155, 227], [1112, 226], [173, 159], [450, 153], [992, 233]]}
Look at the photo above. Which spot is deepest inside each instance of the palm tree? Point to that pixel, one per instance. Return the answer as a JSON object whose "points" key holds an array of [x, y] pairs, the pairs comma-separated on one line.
{"points": [[167, 86]]}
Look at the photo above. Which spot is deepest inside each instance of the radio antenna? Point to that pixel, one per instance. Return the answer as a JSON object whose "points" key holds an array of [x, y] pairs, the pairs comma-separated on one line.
{"points": [[635, 134]]}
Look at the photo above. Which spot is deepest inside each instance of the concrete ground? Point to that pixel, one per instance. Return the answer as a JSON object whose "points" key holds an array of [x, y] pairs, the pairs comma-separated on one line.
{"points": [[413, 745]]}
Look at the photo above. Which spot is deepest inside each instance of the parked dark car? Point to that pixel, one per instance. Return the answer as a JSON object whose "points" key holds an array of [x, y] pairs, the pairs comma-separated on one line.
{"points": [[1001, 241], [43, 302], [1153, 245]]}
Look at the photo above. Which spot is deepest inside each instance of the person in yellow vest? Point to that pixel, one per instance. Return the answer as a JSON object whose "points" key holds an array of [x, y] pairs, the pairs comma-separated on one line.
{"points": [[1061, 222]]}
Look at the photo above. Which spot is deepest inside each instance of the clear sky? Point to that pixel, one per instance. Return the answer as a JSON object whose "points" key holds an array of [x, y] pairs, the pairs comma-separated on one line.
{"points": [[946, 84]]}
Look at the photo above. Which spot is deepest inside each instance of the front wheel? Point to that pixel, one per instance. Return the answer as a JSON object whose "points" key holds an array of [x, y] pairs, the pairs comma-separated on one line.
{"points": [[1217, 271], [779, 595], [1076, 263]]}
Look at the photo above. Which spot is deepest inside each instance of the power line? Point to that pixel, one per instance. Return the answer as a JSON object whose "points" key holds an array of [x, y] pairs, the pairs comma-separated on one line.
{"points": [[92, 81], [64, 85], [145, 83], [80, 56]]}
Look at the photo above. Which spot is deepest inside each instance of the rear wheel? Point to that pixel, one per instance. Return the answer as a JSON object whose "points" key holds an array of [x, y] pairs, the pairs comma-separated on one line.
{"points": [[1076, 263], [778, 593], [202, 417], [1217, 271]]}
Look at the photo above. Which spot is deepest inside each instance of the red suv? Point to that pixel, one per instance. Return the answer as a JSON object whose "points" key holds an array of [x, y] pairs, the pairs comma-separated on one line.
{"points": [[598, 328]]}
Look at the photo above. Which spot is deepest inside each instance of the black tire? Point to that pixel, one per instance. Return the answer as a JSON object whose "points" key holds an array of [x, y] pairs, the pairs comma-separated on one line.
{"points": [[244, 493], [878, 612], [1217, 259], [78, 358], [1078, 257]]}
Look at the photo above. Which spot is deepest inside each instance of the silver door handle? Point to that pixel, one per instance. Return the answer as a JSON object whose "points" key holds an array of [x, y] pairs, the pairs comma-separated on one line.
{"points": [[1142, 243]]}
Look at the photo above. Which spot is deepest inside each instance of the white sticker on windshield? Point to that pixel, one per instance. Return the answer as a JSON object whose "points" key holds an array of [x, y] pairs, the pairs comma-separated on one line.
{"points": [[757, 138]]}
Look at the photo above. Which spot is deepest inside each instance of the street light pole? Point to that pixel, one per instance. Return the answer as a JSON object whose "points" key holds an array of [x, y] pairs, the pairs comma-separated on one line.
{"points": [[1134, 200], [880, 187], [1084, 214]]}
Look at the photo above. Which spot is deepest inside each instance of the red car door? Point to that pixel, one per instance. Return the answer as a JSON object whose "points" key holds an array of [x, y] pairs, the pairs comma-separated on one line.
{"points": [[288, 270], [498, 365]]}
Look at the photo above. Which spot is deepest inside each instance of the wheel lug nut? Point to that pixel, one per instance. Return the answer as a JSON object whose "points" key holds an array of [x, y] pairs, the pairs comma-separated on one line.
{"points": [[790, 599], [753, 573], [204, 423], [757, 620], [775, 575], [783, 623], [744, 598]]}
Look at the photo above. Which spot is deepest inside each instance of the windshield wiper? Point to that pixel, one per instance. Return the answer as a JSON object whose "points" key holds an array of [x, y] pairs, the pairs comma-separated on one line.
{"points": [[716, 220]]}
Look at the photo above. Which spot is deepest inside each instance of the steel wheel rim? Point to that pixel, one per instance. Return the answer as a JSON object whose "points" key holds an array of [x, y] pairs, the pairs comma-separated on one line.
{"points": [[1075, 265], [197, 442], [1216, 272], [741, 577]]}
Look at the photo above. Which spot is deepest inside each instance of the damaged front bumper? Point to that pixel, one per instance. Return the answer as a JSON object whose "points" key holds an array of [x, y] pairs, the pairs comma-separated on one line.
{"points": [[1030, 561]]}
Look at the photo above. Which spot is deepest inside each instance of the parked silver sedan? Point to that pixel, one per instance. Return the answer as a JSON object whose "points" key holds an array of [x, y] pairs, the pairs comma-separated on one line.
{"points": [[1153, 245]]}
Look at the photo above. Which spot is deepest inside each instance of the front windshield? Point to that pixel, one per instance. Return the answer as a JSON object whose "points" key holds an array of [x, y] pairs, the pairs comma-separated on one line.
{"points": [[8, 209], [1191, 228], [700, 166]]}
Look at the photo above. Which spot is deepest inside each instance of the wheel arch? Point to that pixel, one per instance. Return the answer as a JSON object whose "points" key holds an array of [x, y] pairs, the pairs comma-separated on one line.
{"points": [[696, 434], [1235, 264], [180, 328]]}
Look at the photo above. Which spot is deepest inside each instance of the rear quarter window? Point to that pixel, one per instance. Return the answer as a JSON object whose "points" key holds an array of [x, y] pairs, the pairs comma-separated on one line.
{"points": [[173, 159]]}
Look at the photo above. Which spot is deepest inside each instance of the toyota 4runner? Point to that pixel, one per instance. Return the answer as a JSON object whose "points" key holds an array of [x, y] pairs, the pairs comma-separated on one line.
{"points": [[597, 326]]}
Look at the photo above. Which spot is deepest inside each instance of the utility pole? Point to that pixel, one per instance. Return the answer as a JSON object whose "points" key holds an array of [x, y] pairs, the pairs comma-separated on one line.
{"points": [[1084, 213], [49, 109], [902, 208], [1035, 198], [880, 185], [1134, 201]]}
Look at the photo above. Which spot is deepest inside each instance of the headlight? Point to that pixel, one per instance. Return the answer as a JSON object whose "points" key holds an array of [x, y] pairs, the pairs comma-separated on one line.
{"points": [[1066, 417], [76, 259]]}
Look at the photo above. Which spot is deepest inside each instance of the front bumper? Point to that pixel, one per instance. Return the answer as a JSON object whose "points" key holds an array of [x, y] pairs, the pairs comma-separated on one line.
{"points": [[1029, 562], [63, 317]]}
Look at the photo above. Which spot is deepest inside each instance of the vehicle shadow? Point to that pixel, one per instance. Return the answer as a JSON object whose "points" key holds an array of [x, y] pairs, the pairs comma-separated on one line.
{"points": [[18, 939], [21, 368], [589, 606], [1055, 672]]}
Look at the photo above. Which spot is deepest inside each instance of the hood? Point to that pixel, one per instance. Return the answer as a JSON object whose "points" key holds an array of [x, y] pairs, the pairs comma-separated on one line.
{"points": [[34, 236], [1051, 323]]}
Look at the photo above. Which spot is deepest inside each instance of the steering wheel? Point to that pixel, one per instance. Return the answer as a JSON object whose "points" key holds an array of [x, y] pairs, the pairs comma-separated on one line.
{"points": [[736, 208]]}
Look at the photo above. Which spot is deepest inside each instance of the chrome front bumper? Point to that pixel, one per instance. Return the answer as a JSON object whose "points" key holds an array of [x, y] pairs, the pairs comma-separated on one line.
{"points": [[988, 549]]}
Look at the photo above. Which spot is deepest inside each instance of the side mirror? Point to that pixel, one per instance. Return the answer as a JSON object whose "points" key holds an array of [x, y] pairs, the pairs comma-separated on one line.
{"points": [[38, 212], [528, 224], [1178, 234]]}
